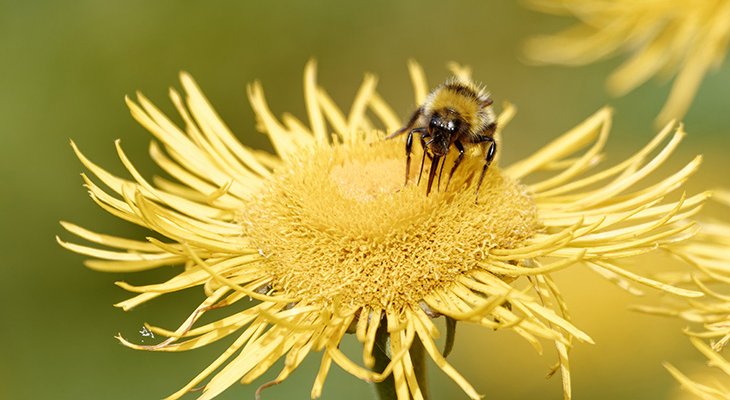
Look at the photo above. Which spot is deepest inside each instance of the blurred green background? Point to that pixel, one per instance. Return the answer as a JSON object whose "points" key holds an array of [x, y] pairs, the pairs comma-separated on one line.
{"points": [[65, 67]]}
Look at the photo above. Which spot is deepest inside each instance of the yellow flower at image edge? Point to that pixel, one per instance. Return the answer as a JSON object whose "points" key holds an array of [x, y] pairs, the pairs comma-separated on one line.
{"points": [[708, 253], [328, 240], [666, 38], [714, 389]]}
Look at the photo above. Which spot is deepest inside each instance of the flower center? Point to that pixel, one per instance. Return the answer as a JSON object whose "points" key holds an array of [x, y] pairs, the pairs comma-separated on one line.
{"points": [[363, 181], [338, 224]]}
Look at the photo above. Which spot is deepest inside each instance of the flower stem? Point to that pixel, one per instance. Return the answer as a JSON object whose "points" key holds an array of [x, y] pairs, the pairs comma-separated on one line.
{"points": [[418, 358], [385, 390]]}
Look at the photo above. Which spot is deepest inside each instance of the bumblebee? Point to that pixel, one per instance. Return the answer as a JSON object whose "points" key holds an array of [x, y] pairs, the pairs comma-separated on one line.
{"points": [[456, 114]]}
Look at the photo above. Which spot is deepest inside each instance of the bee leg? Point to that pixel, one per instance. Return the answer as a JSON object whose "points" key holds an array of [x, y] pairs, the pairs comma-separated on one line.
{"points": [[460, 157], [432, 172], [409, 148], [441, 171], [424, 146], [409, 125], [491, 151]]}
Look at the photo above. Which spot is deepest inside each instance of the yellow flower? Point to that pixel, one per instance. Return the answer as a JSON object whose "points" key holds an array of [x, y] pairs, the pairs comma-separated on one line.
{"points": [[709, 252], [665, 38], [327, 240], [713, 390]]}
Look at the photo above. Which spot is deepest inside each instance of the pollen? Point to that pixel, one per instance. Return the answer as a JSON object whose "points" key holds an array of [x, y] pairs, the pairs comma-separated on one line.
{"points": [[340, 224], [364, 181]]}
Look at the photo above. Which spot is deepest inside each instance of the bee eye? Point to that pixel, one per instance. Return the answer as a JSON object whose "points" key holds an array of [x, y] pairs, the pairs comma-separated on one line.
{"points": [[435, 122], [453, 125], [450, 125]]}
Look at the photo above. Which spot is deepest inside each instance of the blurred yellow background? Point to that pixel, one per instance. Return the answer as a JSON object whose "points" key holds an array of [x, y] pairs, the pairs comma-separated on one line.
{"points": [[65, 67]]}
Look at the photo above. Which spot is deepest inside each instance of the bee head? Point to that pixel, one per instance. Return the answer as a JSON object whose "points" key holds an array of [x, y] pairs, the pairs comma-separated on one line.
{"points": [[442, 129]]}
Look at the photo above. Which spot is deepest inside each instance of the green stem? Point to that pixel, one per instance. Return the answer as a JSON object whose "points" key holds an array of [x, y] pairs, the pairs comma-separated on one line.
{"points": [[418, 358], [385, 390]]}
